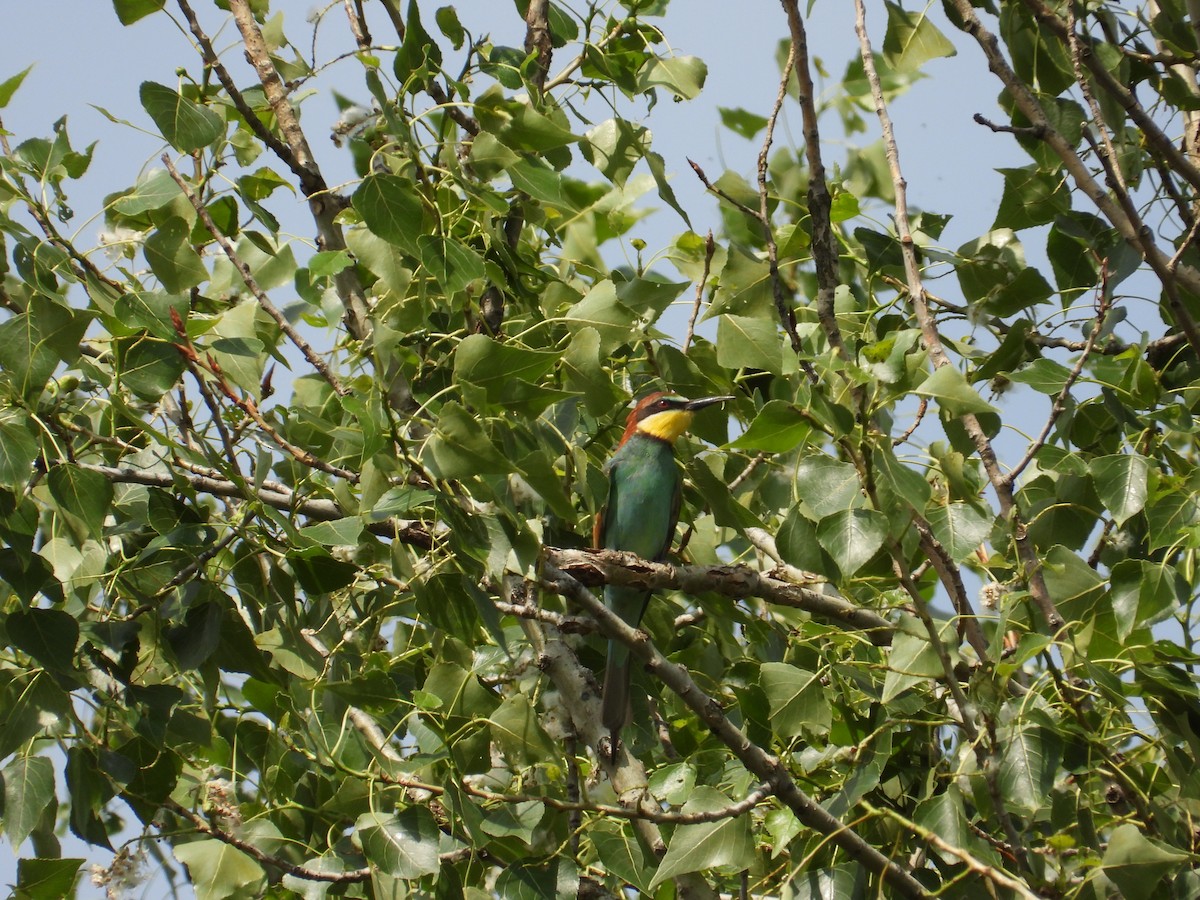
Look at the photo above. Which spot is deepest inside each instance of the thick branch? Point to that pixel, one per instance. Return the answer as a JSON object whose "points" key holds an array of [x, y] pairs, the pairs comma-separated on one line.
{"points": [[595, 567], [820, 203], [323, 204]]}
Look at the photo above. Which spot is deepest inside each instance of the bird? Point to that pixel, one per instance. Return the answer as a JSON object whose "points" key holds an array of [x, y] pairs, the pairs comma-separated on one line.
{"points": [[639, 516]]}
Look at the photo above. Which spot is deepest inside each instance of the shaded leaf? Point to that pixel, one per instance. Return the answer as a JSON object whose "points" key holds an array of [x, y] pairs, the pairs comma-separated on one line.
{"points": [[725, 842]]}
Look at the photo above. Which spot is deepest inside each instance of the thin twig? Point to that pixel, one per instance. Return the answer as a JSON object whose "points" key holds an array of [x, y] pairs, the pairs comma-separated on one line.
{"points": [[783, 308], [251, 283], [991, 873], [285, 501], [709, 249], [1060, 400], [1027, 553]]}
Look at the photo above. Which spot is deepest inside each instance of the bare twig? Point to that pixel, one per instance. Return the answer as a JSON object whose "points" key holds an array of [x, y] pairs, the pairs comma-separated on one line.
{"points": [[284, 500], [991, 873], [1116, 209], [783, 308], [435, 90], [1031, 562], [358, 23], [1060, 400]]}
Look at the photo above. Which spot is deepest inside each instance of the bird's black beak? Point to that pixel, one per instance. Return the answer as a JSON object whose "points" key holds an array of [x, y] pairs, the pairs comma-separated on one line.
{"points": [[694, 405]]}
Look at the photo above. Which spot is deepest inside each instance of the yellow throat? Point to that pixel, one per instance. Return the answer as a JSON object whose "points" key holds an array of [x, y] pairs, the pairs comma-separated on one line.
{"points": [[666, 425]]}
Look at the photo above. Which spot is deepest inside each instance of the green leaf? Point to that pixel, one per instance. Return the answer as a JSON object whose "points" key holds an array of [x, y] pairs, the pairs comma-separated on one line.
{"points": [[1043, 375], [391, 208], [129, 11], [621, 854], [945, 816], [83, 493], [515, 729], [683, 76], [1143, 593], [46, 879], [912, 39], [1122, 482], [149, 368], [905, 481], [960, 528], [1031, 197], [954, 394], [779, 427], [752, 343], [219, 871], [558, 879], [48, 635], [1074, 586], [337, 533], [614, 148], [1137, 864], [9, 86], [419, 55], [827, 485], [452, 264], [673, 783], [1029, 761], [154, 190], [798, 702], [742, 122], [725, 842], [912, 658], [328, 263], [186, 125], [172, 258], [601, 310], [28, 792], [852, 537], [18, 447], [797, 543], [584, 372], [404, 845]]}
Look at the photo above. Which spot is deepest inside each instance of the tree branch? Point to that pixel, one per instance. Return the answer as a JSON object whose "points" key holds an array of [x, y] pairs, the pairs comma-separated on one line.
{"points": [[824, 244], [324, 204], [753, 757], [251, 283], [595, 567]]}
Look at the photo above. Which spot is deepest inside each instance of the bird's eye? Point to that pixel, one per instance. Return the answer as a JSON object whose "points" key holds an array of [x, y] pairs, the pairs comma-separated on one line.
{"points": [[662, 404]]}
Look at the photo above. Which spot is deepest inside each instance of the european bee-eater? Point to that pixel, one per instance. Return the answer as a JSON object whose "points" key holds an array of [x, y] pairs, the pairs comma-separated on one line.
{"points": [[639, 517]]}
